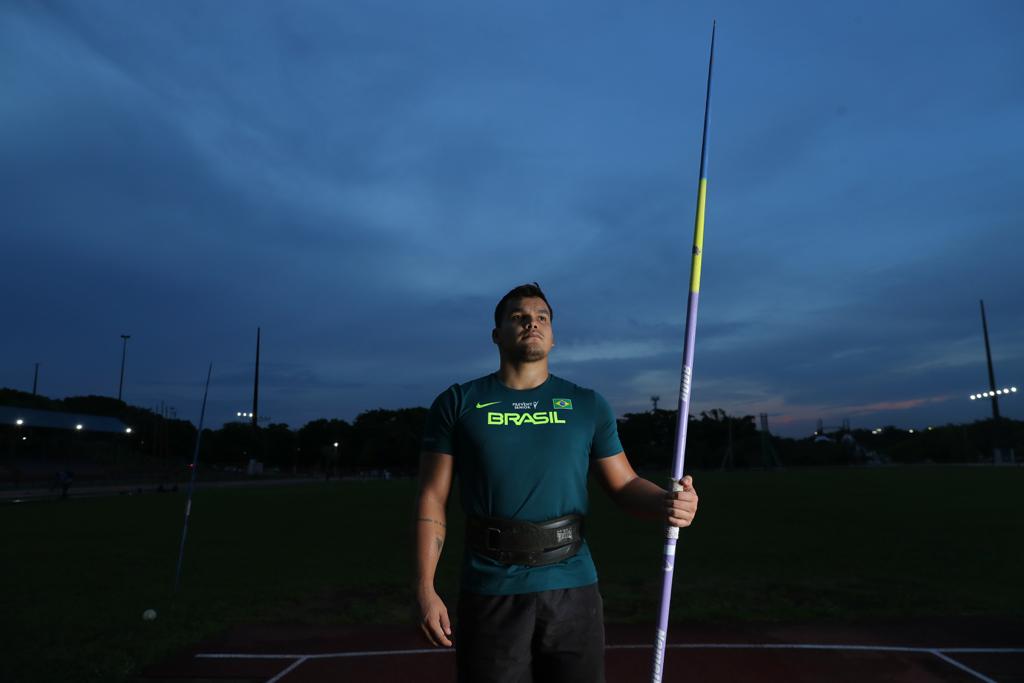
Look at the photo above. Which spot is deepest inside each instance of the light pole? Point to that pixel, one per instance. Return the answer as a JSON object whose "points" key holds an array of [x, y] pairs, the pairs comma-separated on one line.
{"points": [[256, 385], [988, 358], [124, 352], [1002, 449]]}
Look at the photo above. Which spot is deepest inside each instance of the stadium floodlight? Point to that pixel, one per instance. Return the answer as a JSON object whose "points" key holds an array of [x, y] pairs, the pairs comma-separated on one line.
{"points": [[79, 427], [19, 422], [992, 393], [128, 430]]}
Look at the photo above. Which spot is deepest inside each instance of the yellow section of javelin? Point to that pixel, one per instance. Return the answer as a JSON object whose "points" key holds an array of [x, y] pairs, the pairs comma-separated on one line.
{"points": [[698, 237]]}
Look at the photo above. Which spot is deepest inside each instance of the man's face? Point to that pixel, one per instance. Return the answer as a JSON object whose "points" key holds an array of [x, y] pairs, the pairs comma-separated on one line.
{"points": [[525, 333]]}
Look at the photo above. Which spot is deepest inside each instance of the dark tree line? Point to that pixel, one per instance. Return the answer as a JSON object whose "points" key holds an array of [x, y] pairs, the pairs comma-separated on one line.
{"points": [[716, 440], [390, 440], [376, 439]]}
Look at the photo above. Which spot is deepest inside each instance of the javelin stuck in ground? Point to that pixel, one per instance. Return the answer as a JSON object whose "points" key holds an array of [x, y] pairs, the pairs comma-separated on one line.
{"points": [[192, 480]]}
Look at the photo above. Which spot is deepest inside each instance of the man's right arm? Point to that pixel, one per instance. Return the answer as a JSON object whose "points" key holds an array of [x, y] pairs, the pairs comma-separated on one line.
{"points": [[436, 472]]}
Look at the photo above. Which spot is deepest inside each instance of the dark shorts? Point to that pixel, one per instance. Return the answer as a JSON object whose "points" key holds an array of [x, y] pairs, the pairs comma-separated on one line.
{"points": [[531, 638]]}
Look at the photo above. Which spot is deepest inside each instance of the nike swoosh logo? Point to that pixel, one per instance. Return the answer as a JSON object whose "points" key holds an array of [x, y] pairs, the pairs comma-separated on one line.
{"points": [[484, 405]]}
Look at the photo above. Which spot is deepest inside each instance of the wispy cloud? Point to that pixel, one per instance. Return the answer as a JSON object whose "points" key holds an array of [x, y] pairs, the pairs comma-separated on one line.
{"points": [[364, 181]]}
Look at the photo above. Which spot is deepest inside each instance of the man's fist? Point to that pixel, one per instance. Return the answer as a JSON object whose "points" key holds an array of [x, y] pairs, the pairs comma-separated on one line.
{"points": [[434, 618], [681, 506]]}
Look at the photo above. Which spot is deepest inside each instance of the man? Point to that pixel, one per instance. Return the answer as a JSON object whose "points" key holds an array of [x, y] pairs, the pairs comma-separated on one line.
{"points": [[522, 442]]}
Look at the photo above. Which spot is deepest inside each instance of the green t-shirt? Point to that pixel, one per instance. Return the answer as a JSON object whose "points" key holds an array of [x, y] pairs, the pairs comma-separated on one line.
{"points": [[522, 454]]}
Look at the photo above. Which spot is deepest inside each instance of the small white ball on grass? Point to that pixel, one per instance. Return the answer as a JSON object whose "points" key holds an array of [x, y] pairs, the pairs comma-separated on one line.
{"points": [[149, 615]]}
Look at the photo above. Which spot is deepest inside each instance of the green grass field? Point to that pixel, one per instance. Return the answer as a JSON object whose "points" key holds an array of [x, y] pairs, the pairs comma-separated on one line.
{"points": [[798, 544]]}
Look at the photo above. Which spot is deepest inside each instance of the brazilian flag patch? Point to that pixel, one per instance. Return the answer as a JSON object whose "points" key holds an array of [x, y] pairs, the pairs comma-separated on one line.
{"points": [[562, 403]]}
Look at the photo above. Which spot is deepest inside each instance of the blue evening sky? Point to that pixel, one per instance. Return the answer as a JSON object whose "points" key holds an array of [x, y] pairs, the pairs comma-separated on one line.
{"points": [[365, 179]]}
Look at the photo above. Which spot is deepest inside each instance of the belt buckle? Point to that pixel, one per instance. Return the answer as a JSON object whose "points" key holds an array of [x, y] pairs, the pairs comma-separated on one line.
{"points": [[493, 536]]}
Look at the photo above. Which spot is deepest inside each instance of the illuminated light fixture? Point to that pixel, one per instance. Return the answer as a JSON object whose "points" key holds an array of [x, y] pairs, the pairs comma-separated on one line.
{"points": [[19, 422], [128, 430], [24, 438], [911, 431], [238, 415], [335, 444], [1005, 391], [78, 427]]}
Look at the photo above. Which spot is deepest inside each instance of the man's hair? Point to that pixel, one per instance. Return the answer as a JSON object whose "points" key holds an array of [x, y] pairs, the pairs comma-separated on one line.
{"points": [[520, 292]]}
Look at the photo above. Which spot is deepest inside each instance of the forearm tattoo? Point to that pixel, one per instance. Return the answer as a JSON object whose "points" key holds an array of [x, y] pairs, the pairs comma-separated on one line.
{"points": [[438, 540], [432, 521]]}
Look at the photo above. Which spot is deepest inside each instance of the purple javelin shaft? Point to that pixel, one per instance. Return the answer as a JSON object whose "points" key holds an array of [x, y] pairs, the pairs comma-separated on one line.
{"points": [[192, 480], [682, 420]]}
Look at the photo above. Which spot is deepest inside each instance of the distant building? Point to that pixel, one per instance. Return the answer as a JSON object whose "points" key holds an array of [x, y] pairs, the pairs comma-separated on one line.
{"points": [[31, 438], [13, 417]]}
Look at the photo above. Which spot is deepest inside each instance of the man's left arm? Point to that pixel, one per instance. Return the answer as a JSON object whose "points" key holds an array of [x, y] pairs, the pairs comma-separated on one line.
{"points": [[643, 498]]}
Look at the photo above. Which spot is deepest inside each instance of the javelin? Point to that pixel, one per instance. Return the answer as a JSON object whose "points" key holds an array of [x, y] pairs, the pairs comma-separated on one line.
{"points": [[192, 481], [671, 532]]}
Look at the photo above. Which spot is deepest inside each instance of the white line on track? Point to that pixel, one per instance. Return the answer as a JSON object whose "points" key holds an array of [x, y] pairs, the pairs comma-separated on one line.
{"points": [[637, 646], [808, 646], [324, 655], [284, 672], [963, 667], [941, 653]]}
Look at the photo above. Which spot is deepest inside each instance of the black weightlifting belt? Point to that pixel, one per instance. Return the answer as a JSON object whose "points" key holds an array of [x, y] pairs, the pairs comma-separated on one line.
{"points": [[534, 544]]}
